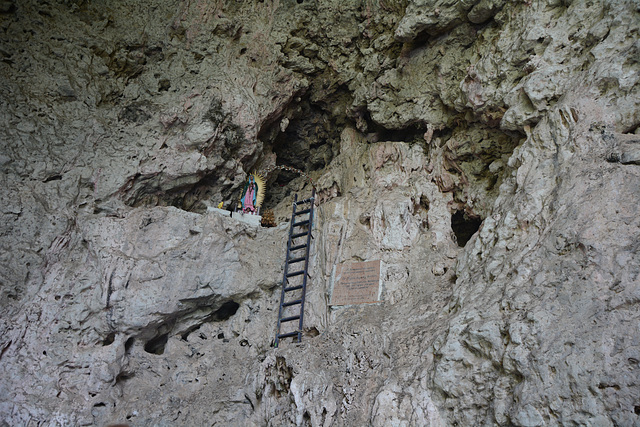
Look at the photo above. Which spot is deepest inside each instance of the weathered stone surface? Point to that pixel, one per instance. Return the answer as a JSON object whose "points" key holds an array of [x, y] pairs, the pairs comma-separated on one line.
{"points": [[125, 299]]}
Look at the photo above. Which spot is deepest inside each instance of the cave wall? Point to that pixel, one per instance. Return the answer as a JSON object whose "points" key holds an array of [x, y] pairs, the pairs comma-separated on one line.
{"points": [[485, 151]]}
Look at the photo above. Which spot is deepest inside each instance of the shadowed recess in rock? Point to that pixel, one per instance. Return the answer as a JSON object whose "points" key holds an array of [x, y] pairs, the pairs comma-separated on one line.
{"points": [[225, 142], [225, 312], [128, 344], [464, 227], [109, 339], [156, 345], [306, 137]]}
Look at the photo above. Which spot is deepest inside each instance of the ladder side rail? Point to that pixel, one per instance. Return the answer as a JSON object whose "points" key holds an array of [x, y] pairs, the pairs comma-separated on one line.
{"points": [[306, 265], [286, 270]]}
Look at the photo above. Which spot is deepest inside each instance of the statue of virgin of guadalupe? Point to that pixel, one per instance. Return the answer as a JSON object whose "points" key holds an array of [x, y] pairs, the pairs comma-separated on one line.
{"points": [[252, 194]]}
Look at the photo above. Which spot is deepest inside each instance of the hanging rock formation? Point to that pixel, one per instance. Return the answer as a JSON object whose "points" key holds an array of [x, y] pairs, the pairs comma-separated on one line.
{"points": [[487, 152]]}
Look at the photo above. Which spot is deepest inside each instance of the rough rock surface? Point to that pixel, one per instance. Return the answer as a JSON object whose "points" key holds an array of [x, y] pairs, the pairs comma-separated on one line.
{"points": [[487, 152]]}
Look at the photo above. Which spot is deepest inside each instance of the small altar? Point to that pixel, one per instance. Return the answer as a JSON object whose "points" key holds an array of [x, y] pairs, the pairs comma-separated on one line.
{"points": [[250, 219]]}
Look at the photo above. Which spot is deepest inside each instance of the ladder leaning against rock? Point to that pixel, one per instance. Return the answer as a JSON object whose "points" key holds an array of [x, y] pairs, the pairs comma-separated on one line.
{"points": [[294, 280]]}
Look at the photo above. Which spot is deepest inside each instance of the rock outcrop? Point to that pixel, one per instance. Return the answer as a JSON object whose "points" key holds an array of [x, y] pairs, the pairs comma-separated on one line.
{"points": [[487, 152]]}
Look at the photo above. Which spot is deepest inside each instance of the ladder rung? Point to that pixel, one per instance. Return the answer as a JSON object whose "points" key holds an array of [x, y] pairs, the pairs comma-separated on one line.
{"points": [[295, 248], [299, 223], [294, 260], [287, 304], [294, 236], [297, 273], [289, 319], [306, 211], [293, 288], [309, 200], [288, 334]]}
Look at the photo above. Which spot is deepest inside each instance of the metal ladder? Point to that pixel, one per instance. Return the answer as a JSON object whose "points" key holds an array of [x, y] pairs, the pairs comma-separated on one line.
{"points": [[294, 284]]}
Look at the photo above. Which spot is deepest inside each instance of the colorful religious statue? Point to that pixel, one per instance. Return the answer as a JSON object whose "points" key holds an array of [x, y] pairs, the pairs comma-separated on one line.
{"points": [[252, 194]]}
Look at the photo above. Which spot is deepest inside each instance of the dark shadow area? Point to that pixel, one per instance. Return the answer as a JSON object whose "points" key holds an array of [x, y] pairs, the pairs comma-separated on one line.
{"points": [[109, 339], [309, 142], [377, 133], [227, 310], [464, 227], [156, 345]]}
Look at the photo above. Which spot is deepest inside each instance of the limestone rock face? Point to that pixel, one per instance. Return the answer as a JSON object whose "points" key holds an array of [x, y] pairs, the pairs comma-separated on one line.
{"points": [[486, 152]]}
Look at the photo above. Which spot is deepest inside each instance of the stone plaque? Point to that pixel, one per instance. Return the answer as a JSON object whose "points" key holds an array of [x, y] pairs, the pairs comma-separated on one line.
{"points": [[356, 283]]}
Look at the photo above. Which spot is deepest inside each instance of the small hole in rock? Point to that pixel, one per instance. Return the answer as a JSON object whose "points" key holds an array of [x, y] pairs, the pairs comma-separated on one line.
{"points": [[164, 85], [220, 336], [109, 339], [128, 343], [636, 409], [227, 310], [53, 178], [424, 203], [156, 345], [464, 227]]}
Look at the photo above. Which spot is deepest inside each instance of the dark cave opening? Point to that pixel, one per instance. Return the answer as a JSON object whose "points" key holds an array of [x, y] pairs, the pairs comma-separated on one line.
{"points": [[464, 226], [225, 311], [408, 134], [306, 136], [156, 344], [376, 132], [308, 142]]}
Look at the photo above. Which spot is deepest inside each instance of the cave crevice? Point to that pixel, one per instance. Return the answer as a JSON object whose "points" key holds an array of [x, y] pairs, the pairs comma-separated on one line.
{"points": [[464, 226]]}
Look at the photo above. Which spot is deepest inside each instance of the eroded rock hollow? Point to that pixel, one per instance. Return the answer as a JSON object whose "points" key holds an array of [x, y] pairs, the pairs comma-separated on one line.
{"points": [[487, 152]]}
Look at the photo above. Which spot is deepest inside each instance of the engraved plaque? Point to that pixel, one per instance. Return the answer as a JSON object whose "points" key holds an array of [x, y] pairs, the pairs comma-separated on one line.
{"points": [[356, 283]]}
